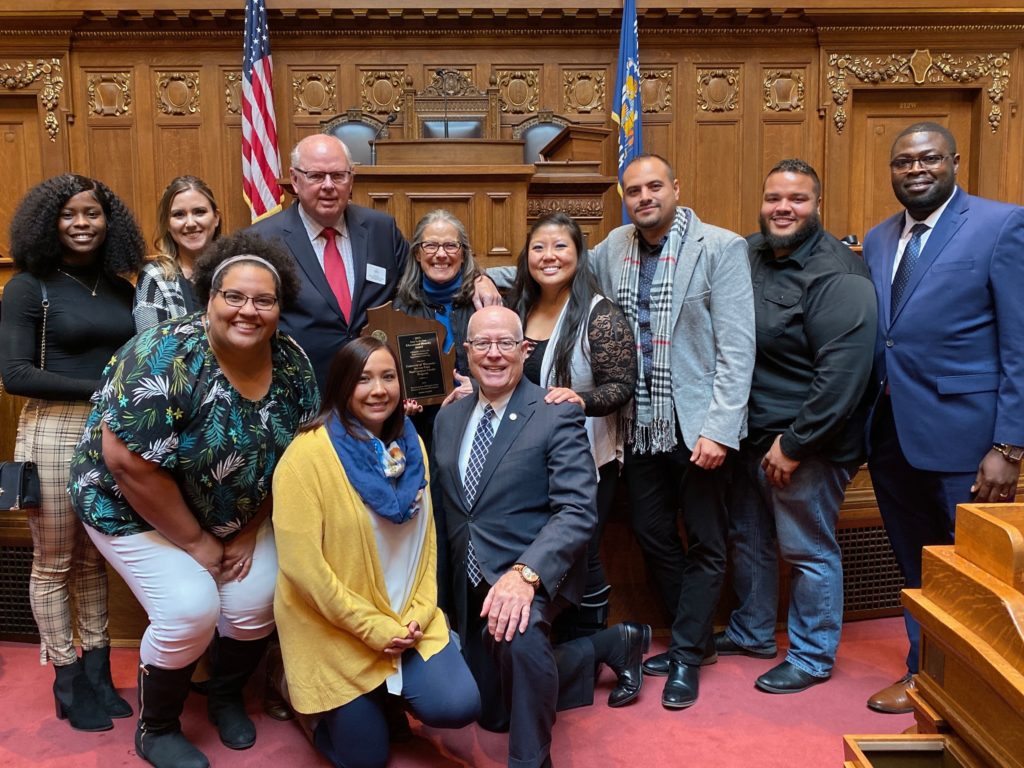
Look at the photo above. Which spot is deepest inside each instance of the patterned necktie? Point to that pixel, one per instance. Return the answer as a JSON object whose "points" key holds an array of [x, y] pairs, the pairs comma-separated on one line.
{"points": [[482, 439], [334, 268], [906, 267]]}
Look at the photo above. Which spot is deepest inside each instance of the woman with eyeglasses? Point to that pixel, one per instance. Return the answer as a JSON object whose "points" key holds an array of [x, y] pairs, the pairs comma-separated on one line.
{"points": [[188, 221], [584, 353], [173, 477]]}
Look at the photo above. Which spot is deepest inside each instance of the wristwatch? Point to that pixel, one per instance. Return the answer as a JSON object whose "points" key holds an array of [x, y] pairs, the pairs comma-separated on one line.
{"points": [[529, 575], [1012, 453]]}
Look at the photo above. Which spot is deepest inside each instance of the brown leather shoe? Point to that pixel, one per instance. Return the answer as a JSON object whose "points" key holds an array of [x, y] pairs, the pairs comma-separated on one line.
{"points": [[894, 699], [275, 701]]}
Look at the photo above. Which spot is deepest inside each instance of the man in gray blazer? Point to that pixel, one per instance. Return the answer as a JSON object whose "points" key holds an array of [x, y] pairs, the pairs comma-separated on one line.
{"points": [[350, 258], [685, 287], [516, 480]]}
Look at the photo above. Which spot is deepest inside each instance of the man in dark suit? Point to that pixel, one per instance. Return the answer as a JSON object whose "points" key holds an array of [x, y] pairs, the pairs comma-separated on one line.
{"points": [[948, 426], [350, 258], [520, 508]]}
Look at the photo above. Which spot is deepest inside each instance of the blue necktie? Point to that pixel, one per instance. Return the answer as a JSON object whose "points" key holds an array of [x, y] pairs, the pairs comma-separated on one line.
{"points": [[910, 256], [482, 440]]}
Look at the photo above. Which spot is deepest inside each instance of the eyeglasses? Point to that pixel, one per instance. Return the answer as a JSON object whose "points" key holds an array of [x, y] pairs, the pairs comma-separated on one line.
{"points": [[432, 248], [263, 302], [927, 162], [484, 345], [319, 177]]}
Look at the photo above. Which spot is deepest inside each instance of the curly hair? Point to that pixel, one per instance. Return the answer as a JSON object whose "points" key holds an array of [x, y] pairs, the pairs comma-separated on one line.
{"points": [[35, 244], [166, 248], [410, 286], [246, 244]]}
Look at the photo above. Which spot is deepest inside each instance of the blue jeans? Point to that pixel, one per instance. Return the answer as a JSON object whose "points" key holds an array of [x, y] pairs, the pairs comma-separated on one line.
{"points": [[801, 519]]}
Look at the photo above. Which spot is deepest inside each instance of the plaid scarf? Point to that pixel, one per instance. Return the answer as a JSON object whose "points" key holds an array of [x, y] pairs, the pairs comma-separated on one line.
{"points": [[650, 425]]}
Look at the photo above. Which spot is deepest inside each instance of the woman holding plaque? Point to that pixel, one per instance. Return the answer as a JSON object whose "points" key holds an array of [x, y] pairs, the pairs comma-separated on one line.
{"points": [[583, 352]]}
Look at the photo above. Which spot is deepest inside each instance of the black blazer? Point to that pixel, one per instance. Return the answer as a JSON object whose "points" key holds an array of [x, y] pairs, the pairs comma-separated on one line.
{"points": [[315, 321], [536, 500]]}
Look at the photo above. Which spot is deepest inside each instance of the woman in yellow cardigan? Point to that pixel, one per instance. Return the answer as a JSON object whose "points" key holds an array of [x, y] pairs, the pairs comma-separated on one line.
{"points": [[356, 601]]}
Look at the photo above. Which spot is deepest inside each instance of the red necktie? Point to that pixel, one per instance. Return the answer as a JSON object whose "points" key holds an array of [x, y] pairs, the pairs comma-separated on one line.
{"points": [[334, 268]]}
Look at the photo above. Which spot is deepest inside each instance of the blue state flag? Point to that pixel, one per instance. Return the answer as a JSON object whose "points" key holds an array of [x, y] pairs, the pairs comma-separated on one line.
{"points": [[627, 93]]}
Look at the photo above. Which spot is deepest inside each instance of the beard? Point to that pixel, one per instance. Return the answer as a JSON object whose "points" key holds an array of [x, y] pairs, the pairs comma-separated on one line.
{"points": [[792, 241]]}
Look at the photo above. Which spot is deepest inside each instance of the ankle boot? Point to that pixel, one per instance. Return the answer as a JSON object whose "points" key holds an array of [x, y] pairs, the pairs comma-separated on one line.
{"points": [[233, 663], [158, 738], [96, 663], [76, 701]]}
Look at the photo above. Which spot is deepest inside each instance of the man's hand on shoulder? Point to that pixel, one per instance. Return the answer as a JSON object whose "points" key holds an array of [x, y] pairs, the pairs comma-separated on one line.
{"points": [[708, 454], [997, 478], [507, 606]]}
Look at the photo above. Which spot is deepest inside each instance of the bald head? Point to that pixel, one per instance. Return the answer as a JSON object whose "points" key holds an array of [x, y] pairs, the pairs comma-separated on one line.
{"points": [[496, 370]]}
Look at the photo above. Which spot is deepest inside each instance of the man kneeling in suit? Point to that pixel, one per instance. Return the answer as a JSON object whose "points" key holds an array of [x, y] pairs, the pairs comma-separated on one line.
{"points": [[517, 482]]}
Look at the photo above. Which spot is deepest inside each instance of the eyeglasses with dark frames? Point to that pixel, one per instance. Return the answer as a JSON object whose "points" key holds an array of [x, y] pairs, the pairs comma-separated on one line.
{"points": [[319, 177], [432, 248], [263, 302], [929, 162], [484, 345]]}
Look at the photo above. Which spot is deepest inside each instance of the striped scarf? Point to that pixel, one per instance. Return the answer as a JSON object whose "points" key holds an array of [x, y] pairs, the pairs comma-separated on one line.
{"points": [[650, 426]]}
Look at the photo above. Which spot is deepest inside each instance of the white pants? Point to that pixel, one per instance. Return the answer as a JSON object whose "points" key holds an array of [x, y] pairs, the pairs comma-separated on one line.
{"points": [[182, 599]]}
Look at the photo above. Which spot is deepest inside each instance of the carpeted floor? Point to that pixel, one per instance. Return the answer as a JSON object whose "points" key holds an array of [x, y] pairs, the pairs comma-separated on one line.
{"points": [[733, 724]]}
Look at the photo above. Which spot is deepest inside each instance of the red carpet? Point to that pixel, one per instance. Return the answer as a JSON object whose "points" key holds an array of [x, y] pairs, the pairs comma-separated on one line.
{"points": [[733, 724]]}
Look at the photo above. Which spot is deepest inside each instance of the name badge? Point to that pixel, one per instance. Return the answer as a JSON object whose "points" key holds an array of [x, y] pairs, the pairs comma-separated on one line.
{"points": [[376, 274]]}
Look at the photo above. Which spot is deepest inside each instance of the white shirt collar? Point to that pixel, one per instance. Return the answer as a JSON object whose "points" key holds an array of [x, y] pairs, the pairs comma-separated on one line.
{"points": [[909, 222], [313, 228]]}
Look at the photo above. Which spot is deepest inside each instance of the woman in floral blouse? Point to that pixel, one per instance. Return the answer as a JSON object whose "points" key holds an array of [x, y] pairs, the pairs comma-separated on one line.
{"points": [[173, 477]]}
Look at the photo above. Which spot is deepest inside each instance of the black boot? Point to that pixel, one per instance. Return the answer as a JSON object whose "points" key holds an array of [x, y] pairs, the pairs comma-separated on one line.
{"points": [[76, 701], [158, 739], [233, 663], [96, 663]]}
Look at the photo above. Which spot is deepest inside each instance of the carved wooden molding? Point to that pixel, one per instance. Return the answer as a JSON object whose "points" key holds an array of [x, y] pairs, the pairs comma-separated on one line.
{"points": [[177, 93], [314, 93], [783, 90], [518, 90], [656, 90], [233, 92], [110, 93], [381, 90], [922, 69], [451, 82], [576, 207], [26, 73], [718, 90], [583, 90]]}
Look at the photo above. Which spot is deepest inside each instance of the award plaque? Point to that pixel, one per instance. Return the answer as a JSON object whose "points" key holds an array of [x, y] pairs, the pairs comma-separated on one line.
{"points": [[417, 342]]}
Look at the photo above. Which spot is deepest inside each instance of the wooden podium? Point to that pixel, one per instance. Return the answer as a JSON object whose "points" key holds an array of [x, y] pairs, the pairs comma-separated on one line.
{"points": [[969, 697]]}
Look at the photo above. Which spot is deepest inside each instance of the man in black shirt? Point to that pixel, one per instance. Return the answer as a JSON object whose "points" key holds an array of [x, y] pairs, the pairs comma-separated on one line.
{"points": [[816, 319]]}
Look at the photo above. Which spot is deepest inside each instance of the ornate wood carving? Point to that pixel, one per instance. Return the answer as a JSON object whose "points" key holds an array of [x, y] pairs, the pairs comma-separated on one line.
{"points": [[110, 93], [583, 90], [26, 73], [314, 93], [718, 90], [922, 68], [517, 90], [783, 90], [656, 90], [177, 93], [233, 92], [576, 207], [381, 90]]}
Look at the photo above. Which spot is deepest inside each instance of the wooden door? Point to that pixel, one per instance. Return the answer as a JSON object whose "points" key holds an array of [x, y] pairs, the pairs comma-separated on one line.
{"points": [[20, 157], [877, 119]]}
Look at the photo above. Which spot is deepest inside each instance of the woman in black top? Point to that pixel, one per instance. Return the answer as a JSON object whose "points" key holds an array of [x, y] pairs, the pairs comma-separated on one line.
{"points": [[64, 314]]}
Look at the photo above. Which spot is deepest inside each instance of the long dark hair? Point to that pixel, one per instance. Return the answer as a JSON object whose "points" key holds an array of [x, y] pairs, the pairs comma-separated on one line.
{"points": [[526, 293], [35, 245], [342, 378]]}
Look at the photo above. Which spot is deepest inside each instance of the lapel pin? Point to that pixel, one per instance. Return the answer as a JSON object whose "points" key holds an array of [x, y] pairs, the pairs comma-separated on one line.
{"points": [[512, 417]]}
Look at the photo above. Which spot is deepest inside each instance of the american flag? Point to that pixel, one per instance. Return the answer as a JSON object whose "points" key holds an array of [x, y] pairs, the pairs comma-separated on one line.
{"points": [[260, 163], [626, 110]]}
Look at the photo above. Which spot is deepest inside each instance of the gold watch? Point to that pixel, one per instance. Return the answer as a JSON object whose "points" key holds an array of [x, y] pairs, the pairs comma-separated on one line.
{"points": [[1012, 453], [529, 575]]}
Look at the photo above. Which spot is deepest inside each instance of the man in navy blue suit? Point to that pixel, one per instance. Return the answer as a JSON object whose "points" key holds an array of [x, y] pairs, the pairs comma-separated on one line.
{"points": [[350, 258], [948, 426]]}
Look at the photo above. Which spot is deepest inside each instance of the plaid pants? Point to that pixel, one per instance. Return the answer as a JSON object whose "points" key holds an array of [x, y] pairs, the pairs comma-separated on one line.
{"points": [[65, 564]]}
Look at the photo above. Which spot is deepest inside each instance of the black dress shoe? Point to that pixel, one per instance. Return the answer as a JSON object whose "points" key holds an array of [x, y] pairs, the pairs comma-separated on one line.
{"points": [[681, 687], [785, 678], [637, 639], [657, 665], [726, 647]]}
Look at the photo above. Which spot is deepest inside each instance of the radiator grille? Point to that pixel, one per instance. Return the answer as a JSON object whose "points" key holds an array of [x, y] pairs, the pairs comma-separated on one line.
{"points": [[871, 578], [16, 622]]}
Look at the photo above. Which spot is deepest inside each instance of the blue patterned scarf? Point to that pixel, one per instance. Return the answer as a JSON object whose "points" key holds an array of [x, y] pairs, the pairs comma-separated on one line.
{"points": [[440, 296], [388, 479]]}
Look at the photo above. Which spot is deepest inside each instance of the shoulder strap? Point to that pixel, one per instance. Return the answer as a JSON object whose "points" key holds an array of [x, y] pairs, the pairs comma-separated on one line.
{"points": [[42, 339]]}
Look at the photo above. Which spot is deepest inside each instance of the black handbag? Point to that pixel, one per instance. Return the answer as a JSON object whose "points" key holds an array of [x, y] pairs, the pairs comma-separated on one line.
{"points": [[19, 485], [19, 480]]}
